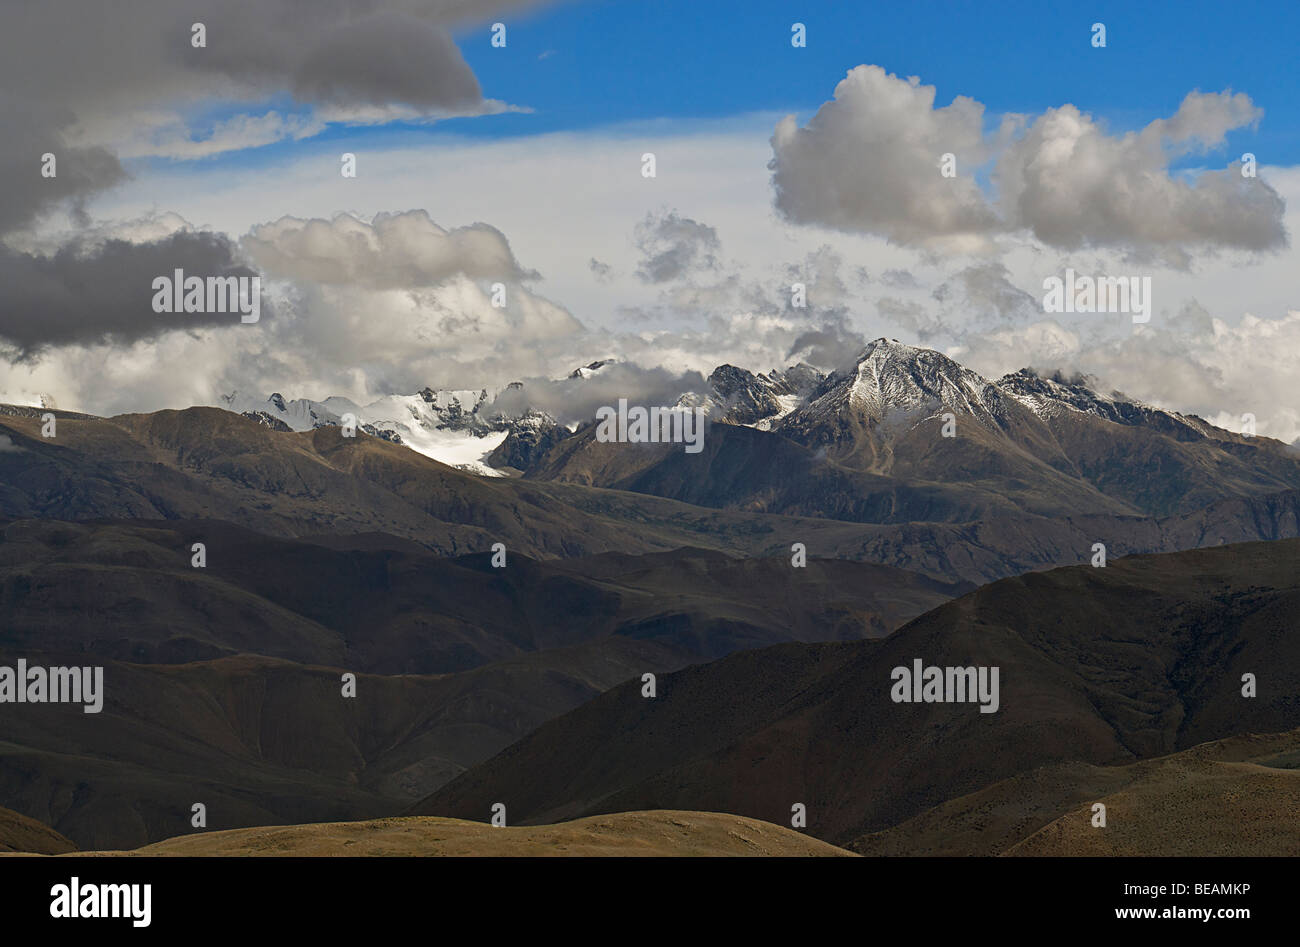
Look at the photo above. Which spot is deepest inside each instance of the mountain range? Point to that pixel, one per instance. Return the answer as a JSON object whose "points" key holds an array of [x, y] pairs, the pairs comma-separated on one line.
{"points": [[1024, 440]]}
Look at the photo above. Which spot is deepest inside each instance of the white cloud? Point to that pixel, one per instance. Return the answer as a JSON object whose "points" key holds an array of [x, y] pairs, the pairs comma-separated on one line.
{"points": [[389, 251], [1072, 185], [868, 161], [171, 135]]}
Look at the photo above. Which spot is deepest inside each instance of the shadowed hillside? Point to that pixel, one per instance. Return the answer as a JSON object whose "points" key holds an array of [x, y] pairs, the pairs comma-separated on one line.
{"points": [[1103, 666], [223, 684]]}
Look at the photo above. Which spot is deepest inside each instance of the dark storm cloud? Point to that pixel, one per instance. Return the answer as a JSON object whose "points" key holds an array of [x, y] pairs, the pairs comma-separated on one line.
{"points": [[387, 58], [26, 134], [89, 53], [67, 63], [85, 295]]}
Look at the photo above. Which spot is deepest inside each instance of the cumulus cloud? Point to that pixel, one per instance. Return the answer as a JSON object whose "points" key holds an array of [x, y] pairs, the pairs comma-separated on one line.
{"points": [[868, 162], [1072, 185], [398, 302], [673, 247], [399, 340], [390, 251]]}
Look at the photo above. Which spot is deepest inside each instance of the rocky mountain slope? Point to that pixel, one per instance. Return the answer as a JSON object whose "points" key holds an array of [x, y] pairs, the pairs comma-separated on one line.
{"points": [[872, 445]]}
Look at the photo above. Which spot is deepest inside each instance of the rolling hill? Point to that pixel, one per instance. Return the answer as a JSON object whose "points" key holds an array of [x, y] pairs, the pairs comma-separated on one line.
{"points": [[1104, 666]]}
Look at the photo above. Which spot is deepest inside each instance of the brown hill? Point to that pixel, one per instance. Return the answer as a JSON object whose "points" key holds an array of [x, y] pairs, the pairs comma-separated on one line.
{"points": [[1189, 804], [205, 463], [638, 834], [18, 833], [1237, 796], [128, 591], [1103, 666]]}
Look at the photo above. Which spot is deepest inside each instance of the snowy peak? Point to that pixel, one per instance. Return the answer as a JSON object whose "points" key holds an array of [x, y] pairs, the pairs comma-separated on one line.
{"points": [[894, 382], [890, 374], [452, 427], [741, 397], [298, 415], [1048, 397], [1054, 397], [586, 371], [892, 387], [457, 409]]}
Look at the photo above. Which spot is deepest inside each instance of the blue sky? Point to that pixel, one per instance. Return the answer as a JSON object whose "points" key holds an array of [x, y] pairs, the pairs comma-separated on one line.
{"points": [[600, 63], [621, 60]]}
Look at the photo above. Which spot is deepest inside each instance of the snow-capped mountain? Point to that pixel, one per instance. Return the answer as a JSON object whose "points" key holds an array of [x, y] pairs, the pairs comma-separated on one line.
{"points": [[586, 371], [871, 444], [741, 397], [483, 432], [893, 383], [898, 384], [1053, 398], [457, 428], [892, 388]]}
